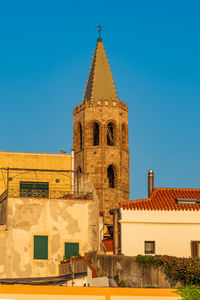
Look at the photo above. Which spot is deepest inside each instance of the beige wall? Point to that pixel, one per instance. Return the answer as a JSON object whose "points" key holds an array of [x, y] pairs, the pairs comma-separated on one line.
{"points": [[172, 231], [35, 161], [62, 220]]}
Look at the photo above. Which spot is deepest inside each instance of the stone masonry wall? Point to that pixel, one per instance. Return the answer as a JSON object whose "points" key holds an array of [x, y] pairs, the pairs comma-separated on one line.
{"points": [[126, 267], [95, 160]]}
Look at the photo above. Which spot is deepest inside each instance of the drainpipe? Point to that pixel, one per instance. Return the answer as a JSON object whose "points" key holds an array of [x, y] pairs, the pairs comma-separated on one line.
{"points": [[72, 183], [101, 236], [150, 182], [115, 213]]}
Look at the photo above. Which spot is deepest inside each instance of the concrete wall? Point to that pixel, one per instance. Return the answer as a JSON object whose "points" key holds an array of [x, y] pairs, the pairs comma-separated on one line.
{"points": [[172, 231], [61, 219], [35, 161], [126, 267]]}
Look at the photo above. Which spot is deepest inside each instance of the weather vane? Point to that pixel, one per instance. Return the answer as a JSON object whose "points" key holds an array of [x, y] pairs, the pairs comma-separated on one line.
{"points": [[99, 30]]}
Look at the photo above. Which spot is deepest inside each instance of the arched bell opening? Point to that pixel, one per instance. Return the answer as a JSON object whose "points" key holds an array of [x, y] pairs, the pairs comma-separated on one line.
{"points": [[110, 134], [111, 176]]}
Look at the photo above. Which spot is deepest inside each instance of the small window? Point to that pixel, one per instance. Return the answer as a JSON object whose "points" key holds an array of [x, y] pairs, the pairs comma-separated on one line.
{"points": [[79, 170], [34, 189], [40, 247], [195, 249], [71, 249], [111, 176], [149, 247], [123, 136], [110, 134], [96, 134], [187, 201], [80, 136]]}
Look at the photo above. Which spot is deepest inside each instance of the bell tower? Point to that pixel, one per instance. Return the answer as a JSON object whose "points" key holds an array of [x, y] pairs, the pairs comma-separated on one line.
{"points": [[100, 135]]}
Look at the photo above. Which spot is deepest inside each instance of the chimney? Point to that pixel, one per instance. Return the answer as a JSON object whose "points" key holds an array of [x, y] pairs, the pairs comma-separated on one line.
{"points": [[150, 182]]}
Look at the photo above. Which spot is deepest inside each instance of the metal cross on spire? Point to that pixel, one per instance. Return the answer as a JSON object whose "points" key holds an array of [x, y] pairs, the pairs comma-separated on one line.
{"points": [[99, 30]]}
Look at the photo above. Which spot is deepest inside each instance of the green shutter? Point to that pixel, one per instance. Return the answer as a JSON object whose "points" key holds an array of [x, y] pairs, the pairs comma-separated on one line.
{"points": [[40, 247], [71, 249]]}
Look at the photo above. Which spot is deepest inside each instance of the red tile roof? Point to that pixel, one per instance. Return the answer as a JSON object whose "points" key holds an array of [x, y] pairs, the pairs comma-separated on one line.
{"points": [[165, 199]]}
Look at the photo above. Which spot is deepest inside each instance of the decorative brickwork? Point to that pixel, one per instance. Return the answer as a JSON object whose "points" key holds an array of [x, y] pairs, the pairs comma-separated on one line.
{"points": [[104, 122]]}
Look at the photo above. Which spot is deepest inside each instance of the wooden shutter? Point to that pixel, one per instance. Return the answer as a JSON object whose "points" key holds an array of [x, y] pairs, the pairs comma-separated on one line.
{"points": [[194, 249], [71, 249], [40, 247]]}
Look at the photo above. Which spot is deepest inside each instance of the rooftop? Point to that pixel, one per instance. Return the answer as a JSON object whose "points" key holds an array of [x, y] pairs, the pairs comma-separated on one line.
{"points": [[166, 199]]}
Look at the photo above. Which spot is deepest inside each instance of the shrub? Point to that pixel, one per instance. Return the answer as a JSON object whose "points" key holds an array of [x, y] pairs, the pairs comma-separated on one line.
{"points": [[189, 293], [185, 270]]}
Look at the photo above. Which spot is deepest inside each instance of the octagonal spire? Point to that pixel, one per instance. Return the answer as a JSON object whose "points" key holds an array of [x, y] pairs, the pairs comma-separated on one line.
{"points": [[100, 83]]}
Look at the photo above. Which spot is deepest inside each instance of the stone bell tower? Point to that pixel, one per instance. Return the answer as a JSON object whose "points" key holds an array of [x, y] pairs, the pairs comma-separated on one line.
{"points": [[100, 135]]}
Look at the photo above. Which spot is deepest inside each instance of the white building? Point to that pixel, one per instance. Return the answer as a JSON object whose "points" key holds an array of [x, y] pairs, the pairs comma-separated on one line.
{"points": [[166, 223]]}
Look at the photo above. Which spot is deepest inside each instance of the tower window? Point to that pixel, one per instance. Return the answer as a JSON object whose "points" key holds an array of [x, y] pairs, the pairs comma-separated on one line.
{"points": [[95, 134], [79, 170], [123, 136], [111, 176], [80, 136], [110, 134]]}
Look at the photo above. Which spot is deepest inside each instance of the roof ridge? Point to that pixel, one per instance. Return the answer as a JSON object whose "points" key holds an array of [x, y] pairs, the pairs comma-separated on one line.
{"points": [[165, 199], [175, 188]]}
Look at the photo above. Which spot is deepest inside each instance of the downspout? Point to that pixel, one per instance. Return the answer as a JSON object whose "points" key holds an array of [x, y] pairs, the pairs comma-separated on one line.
{"points": [[115, 213], [101, 236]]}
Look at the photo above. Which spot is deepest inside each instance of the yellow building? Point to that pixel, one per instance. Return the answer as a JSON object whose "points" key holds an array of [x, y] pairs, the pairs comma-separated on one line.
{"points": [[46, 212], [18, 167]]}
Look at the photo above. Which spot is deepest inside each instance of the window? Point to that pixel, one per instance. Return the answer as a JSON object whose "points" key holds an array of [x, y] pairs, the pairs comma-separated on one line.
{"points": [[187, 201], [110, 134], [79, 170], [96, 134], [40, 247], [71, 249], [111, 176], [80, 136], [34, 189], [123, 136], [149, 247], [195, 249]]}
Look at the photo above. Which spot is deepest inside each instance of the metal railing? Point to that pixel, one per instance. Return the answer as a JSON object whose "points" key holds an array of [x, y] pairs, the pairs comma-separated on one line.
{"points": [[3, 196], [51, 194]]}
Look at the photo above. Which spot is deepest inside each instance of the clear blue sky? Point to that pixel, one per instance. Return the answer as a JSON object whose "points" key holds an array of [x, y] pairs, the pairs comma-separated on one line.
{"points": [[154, 51]]}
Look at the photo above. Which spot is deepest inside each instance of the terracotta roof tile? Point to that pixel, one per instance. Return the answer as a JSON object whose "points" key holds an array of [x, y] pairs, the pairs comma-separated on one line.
{"points": [[165, 199]]}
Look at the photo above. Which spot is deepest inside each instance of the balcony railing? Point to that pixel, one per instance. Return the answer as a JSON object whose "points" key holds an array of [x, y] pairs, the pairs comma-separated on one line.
{"points": [[51, 194], [3, 196]]}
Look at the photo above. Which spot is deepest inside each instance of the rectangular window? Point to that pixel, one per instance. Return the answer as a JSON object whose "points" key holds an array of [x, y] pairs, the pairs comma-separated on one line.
{"points": [[71, 249], [195, 249], [34, 189], [40, 247], [149, 247]]}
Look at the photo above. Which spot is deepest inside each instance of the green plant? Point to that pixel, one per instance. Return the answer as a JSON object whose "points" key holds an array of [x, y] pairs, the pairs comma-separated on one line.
{"points": [[184, 270], [189, 293], [121, 283]]}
